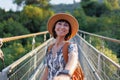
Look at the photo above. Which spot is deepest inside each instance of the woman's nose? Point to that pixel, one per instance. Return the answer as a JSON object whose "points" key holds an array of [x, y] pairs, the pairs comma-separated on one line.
{"points": [[62, 26]]}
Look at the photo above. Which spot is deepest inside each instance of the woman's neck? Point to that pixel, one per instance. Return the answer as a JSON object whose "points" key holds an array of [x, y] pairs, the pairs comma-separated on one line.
{"points": [[59, 41]]}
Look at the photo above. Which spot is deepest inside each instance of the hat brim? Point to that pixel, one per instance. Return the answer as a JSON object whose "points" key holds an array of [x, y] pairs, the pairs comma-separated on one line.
{"points": [[72, 20]]}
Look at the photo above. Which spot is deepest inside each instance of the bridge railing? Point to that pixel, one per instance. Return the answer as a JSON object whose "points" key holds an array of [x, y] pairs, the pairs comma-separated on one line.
{"points": [[23, 68], [95, 64], [102, 66]]}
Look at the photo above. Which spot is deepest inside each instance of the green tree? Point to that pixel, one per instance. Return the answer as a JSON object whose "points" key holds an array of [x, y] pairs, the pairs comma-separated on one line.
{"points": [[2, 13], [41, 3], [81, 17], [34, 18], [12, 28], [85, 0], [114, 4], [94, 8], [9, 14]]}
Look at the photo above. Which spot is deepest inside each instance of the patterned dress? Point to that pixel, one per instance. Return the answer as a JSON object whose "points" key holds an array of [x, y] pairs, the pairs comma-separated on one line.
{"points": [[57, 63]]}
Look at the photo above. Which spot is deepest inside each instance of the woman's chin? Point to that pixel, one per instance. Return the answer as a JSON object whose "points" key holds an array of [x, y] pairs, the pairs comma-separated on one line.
{"points": [[61, 35]]}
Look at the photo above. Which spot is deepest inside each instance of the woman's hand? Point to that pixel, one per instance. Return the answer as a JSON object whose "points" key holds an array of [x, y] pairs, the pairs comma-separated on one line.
{"points": [[62, 77]]}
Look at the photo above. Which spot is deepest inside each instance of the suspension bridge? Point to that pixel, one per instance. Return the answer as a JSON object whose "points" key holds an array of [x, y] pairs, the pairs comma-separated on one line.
{"points": [[95, 65]]}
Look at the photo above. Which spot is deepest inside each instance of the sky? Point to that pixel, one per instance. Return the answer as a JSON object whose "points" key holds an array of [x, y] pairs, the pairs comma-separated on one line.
{"points": [[7, 4]]}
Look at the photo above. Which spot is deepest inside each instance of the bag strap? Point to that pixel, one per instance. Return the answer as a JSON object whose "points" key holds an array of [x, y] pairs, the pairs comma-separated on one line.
{"points": [[64, 49], [50, 47]]}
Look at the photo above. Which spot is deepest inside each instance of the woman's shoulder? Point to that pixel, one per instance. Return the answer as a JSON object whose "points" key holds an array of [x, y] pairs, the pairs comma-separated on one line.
{"points": [[72, 44], [49, 48], [72, 47]]}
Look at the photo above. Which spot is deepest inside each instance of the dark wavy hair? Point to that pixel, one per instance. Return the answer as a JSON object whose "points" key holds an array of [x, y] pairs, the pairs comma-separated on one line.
{"points": [[67, 37]]}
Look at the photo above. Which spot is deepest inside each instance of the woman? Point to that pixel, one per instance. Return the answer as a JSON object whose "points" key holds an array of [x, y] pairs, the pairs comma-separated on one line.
{"points": [[62, 27]]}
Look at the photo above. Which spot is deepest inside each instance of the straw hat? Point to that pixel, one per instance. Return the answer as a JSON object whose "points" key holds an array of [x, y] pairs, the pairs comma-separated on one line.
{"points": [[73, 22]]}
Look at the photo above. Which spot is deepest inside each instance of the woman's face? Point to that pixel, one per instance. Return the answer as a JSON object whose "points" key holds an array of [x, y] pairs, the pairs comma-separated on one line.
{"points": [[62, 28]]}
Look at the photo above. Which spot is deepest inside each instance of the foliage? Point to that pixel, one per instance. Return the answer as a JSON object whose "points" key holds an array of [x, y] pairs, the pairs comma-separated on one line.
{"points": [[65, 7], [94, 8], [13, 52], [2, 12], [105, 26], [12, 28], [113, 4], [103, 47], [10, 14], [100, 18], [33, 12], [81, 17], [33, 18], [40, 3]]}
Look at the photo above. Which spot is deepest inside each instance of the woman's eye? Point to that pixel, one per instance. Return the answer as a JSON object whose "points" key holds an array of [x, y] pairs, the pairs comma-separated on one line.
{"points": [[59, 23], [66, 25], [62, 23]]}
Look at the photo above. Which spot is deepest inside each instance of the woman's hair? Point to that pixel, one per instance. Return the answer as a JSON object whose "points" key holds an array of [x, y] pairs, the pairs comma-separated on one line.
{"points": [[67, 37]]}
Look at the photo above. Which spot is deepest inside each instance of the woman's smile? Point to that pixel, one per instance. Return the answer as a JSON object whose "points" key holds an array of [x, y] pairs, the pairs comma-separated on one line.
{"points": [[61, 28]]}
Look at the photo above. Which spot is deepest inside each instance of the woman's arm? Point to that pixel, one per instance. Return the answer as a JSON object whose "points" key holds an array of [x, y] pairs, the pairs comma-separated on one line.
{"points": [[70, 66], [72, 59], [45, 74], [72, 63]]}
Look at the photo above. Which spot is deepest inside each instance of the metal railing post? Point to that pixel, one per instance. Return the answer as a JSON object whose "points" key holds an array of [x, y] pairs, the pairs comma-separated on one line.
{"points": [[33, 42], [4, 73], [99, 56], [1, 54], [84, 36], [50, 36], [44, 37], [33, 47], [99, 63], [35, 61], [90, 40], [102, 44]]}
